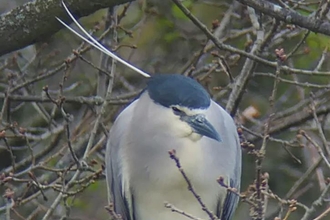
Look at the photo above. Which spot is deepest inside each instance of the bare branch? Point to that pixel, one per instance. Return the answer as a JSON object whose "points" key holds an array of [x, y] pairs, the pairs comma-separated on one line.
{"points": [[289, 16]]}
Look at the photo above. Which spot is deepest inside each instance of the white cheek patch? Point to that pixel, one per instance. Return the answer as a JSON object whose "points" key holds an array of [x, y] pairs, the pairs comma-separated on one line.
{"points": [[182, 128], [195, 137], [185, 131]]}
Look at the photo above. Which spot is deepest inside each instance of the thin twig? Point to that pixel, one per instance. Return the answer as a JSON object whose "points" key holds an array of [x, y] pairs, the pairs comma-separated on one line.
{"points": [[318, 148], [175, 209], [173, 156]]}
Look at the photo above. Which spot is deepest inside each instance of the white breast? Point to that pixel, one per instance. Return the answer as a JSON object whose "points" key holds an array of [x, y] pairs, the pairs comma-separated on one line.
{"points": [[153, 185], [154, 178]]}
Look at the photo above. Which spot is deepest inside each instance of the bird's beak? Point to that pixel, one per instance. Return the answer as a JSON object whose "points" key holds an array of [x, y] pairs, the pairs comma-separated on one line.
{"points": [[202, 126]]}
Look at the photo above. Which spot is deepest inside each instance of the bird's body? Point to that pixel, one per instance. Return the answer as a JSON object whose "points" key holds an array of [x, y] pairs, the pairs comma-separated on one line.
{"points": [[142, 177]]}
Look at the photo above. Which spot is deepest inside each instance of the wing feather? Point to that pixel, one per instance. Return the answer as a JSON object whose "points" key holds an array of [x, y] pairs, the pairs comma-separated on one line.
{"points": [[117, 183], [231, 200], [230, 204], [228, 131]]}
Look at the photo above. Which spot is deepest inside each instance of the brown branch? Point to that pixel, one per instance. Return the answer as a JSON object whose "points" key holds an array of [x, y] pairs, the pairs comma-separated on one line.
{"points": [[35, 21], [318, 202], [327, 211], [295, 119]]}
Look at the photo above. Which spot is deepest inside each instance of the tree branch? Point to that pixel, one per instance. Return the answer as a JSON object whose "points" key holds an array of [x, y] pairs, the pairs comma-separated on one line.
{"points": [[35, 21], [289, 16], [296, 119]]}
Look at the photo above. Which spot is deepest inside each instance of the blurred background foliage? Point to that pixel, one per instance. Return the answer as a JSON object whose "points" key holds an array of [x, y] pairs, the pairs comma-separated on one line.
{"points": [[157, 37]]}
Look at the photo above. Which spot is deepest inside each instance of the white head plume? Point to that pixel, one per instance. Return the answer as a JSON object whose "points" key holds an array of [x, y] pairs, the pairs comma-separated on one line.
{"points": [[89, 39]]}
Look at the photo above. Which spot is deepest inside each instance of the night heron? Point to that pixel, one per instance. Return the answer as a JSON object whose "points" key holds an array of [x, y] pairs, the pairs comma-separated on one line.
{"points": [[174, 112]]}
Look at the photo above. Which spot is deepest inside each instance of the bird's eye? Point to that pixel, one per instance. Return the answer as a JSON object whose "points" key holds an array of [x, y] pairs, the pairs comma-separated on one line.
{"points": [[177, 111]]}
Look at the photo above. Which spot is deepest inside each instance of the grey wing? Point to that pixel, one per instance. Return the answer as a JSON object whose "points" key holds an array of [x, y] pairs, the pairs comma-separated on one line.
{"points": [[227, 209], [118, 187], [231, 201]]}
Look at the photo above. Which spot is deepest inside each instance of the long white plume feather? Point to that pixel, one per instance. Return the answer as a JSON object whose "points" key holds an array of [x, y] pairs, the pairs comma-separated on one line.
{"points": [[89, 39]]}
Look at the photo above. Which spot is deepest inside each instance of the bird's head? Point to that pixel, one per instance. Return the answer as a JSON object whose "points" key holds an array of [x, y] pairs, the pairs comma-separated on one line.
{"points": [[181, 106]]}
